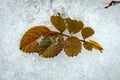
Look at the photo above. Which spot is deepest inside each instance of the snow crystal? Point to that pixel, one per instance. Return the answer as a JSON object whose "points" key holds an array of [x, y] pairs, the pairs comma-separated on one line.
{"points": [[17, 16]]}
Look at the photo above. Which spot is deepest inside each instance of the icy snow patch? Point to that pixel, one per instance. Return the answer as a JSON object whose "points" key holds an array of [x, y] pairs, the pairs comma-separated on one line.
{"points": [[17, 16]]}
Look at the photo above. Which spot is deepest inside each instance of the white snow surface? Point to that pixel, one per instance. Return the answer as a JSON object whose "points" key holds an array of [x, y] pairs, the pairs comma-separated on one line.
{"points": [[17, 16]]}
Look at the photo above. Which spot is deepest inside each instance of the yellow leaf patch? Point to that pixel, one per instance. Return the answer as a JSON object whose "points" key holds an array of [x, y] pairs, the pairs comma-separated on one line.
{"points": [[72, 46], [88, 46], [87, 32], [74, 26], [58, 22], [96, 45], [28, 42]]}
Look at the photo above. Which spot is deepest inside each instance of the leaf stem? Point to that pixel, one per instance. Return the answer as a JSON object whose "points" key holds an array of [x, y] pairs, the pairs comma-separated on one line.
{"points": [[65, 35], [69, 36], [82, 40]]}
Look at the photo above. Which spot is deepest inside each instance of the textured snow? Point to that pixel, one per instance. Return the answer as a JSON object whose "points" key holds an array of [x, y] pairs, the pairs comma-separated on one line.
{"points": [[17, 16]]}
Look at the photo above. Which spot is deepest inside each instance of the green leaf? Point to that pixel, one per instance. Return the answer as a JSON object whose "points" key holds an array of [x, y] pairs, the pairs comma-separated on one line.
{"points": [[51, 45], [74, 26], [58, 22], [96, 45], [45, 43], [87, 46], [87, 32], [72, 46], [28, 42]]}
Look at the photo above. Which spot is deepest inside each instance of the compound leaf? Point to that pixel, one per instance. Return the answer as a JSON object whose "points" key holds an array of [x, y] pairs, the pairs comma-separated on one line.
{"points": [[58, 22], [88, 46], [28, 42], [51, 45], [74, 26], [72, 46], [87, 32], [96, 45]]}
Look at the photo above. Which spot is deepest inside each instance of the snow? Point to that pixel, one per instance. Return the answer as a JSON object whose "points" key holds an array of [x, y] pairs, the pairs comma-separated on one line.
{"points": [[17, 16]]}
